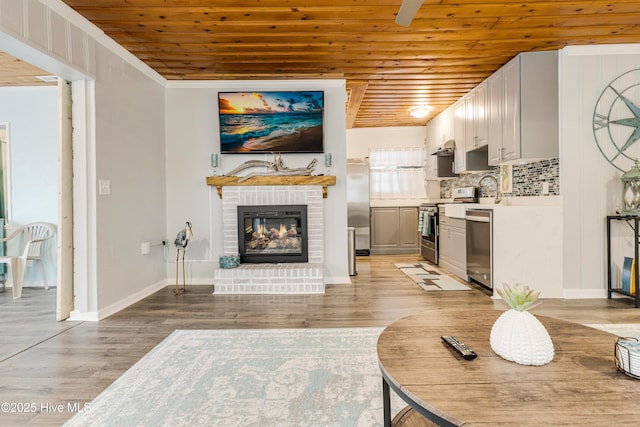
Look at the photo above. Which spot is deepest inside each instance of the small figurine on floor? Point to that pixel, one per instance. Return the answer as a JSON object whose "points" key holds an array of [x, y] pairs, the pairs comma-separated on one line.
{"points": [[181, 242]]}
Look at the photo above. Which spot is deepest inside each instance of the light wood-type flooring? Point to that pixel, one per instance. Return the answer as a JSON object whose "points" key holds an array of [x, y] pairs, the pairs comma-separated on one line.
{"points": [[44, 363]]}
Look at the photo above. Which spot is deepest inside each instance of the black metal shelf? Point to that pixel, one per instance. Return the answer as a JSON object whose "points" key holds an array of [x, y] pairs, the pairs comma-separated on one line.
{"points": [[636, 221]]}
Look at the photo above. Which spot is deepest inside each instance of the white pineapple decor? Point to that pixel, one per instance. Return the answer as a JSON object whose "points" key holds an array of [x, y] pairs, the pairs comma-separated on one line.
{"points": [[517, 335]]}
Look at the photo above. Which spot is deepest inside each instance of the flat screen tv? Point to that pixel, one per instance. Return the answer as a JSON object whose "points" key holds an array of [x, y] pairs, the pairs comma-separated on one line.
{"points": [[271, 122]]}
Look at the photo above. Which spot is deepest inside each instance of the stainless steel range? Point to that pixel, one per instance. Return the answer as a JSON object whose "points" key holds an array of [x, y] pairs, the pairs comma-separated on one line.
{"points": [[429, 222], [465, 195]]}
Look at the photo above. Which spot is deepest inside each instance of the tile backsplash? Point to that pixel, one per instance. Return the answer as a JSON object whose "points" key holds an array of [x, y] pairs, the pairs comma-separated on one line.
{"points": [[527, 180]]}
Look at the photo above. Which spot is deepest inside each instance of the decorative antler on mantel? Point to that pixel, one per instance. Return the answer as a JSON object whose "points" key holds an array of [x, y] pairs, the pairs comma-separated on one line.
{"points": [[277, 168]]}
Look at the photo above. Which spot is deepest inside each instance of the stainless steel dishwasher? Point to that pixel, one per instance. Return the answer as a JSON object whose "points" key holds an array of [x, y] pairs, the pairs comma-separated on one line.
{"points": [[479, 246]]}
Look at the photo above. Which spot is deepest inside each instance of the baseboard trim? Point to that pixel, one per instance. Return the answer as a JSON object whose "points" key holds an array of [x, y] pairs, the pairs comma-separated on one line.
{"points": [[124, 303], [77, 316], [337, 280], [584, 293], [202, 281]]}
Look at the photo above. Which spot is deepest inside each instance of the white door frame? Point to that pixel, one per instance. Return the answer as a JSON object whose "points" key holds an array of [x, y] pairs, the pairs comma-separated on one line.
{"points": [[85, 277], [64, 291]]}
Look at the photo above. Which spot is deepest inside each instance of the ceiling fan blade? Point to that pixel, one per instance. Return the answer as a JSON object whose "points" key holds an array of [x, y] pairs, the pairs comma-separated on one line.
{"points": [[407, 12]]}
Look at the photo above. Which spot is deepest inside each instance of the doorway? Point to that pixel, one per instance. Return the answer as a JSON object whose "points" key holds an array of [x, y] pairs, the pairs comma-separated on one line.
{"points": [[35, 176]]}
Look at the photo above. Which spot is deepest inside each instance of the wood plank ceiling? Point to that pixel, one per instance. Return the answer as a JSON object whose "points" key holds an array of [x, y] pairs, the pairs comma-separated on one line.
{"points": [[451, 46], [14, 72]]}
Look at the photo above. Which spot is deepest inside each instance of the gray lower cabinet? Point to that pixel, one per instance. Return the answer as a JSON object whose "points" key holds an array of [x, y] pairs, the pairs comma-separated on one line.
{"points": [[394, 230], [453, 246]]}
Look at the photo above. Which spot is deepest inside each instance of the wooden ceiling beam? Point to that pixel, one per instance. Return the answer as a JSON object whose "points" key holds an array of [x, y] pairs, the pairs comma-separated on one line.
{"points": [[356, 90]]}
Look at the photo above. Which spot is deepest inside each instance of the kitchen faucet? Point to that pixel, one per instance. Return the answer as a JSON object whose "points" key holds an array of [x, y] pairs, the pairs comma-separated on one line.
{"points": [[498, 195]]}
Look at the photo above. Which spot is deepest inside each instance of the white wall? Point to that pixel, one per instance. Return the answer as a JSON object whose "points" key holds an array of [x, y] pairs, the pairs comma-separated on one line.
{"points": [[361, 140], [589, 185], [32, 115], [192, 136], [130, 153]]}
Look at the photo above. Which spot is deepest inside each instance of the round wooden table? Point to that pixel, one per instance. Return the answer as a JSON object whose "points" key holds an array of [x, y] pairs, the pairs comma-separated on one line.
{"points": [[581, 386]]}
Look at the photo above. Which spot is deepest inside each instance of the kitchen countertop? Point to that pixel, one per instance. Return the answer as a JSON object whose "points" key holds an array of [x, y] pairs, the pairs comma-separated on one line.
{"points": [[457, 210], [403, 202], [483, 202]]}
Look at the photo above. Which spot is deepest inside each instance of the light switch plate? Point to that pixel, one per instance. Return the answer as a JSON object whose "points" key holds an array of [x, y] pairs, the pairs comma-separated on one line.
{"points": [[545, 187], [145, 248], [104, 187]]}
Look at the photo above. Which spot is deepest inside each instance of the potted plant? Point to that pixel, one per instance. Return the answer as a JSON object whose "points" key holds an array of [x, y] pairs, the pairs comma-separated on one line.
{"points": [[518, 335]]}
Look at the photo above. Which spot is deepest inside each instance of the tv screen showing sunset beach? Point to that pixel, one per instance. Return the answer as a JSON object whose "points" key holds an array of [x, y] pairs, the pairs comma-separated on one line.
{"points": [[271, 122]]}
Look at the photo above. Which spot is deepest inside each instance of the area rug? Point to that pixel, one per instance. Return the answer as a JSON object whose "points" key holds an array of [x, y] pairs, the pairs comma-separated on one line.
{"points": [[431, 278], [628, 330], [266, 377]]}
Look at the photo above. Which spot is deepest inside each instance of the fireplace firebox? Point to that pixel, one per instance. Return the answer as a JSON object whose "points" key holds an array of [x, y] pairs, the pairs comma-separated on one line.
{"points": [[272, 234]]}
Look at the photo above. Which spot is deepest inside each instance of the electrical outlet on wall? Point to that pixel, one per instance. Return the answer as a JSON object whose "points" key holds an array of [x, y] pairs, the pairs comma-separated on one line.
{"points": [[545, 187], [145, 248], [104, 187]]}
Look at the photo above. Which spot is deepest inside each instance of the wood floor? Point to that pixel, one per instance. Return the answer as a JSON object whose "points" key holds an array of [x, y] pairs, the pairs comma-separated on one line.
{"points": [[44, 363]]}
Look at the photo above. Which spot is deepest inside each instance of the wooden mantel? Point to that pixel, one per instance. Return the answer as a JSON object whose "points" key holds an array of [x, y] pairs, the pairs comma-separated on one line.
{"points": [[323, 180]]}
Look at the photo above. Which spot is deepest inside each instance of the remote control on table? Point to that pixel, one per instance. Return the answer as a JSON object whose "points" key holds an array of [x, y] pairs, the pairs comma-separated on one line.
{"points": [[459, 346]]}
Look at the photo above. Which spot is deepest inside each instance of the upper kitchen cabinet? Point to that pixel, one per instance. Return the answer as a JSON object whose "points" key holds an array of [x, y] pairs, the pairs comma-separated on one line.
{"points": [[440, 136], [523, 109], [459, 134], [477, 135], [470, 131], [440, 129]]}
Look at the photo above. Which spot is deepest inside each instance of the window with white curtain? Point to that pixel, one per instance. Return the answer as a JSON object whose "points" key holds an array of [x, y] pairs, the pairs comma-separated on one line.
{"points": [[397, 173]]}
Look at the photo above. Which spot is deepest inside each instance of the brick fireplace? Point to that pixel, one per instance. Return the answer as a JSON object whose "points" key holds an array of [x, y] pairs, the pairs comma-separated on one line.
{"points": [[273, 278]]}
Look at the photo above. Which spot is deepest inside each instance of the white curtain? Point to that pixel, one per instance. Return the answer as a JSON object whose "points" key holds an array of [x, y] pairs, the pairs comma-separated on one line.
{"points": [[397, 173]]}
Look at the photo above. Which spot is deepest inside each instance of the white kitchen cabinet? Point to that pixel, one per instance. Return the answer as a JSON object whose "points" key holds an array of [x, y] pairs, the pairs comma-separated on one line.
{"points": [[459, 134], [430, 134], [453, 246], [433, 140], [431, 167], [443, 128], [494, 116], [470, 135], [394, 230], [476, 118], [524, 96], [439, 130]]}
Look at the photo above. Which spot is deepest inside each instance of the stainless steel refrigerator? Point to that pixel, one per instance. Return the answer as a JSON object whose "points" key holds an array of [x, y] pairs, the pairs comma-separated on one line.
{"points": [[358, 203]]}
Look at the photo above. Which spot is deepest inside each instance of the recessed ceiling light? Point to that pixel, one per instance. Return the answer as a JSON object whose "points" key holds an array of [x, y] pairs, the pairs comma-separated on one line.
{"points": [[48, 79], [420, 112]]}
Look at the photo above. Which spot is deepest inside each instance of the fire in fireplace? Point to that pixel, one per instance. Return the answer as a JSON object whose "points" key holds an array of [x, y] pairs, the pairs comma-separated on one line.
{"points": [[274, 233]]}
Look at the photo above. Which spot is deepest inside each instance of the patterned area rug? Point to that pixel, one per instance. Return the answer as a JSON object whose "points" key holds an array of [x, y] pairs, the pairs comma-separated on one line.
{"points": [[431, 278], [621, 329], [281, 377]]}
